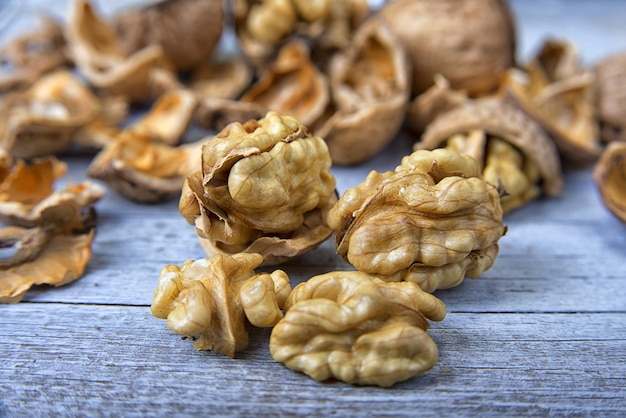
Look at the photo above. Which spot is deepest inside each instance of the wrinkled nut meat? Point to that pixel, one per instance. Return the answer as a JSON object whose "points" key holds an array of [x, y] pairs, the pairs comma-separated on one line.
{"points": [[208, 299], [610, 178], [52, 242], [97, 52], [29, 56], [187, 30], [512, 150], [43, 120], [558, 94], [432, 221], [358, 329], [292, 86], [471, 43], [610, 97], [370, 91], [264, 187]]}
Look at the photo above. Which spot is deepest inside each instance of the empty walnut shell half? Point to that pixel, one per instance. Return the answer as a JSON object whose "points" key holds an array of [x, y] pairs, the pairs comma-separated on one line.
{"points": [[431, 221], [264, 187], [370, 91], [221, 78], [42, 120], [558, 94], [356, 328], [610, 178], [292, 86], [187, 30], [98, 54], [211, 297], [471, 43], [610, 99], [532, 165]]}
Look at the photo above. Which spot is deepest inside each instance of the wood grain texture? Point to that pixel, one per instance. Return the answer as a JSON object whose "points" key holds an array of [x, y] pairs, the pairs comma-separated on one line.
{"points": [[542, 333]]}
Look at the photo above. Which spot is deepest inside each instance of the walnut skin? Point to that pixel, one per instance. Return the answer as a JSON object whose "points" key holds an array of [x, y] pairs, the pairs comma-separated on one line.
{"points": [[432, 221], [209, 298], [358, 329], [265, 187]]}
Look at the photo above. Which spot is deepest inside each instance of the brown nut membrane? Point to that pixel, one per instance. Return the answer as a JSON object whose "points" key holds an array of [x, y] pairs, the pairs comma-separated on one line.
{"points": [[264, 187], [42, 120], [556, 92], [610, 96], [292, 86], [208, 298], [358, 329], [471, 43], [187, 30], [432, 221], [370, 91], [98, 54], [513, 151], [609, 175]]}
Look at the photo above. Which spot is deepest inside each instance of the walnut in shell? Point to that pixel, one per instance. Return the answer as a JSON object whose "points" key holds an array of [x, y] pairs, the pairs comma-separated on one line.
{"points": [[432, 221], [610, 96], [556, 92], [610, 178], [512, 150], [187, 30], [358, 329], [264, 186], [208, 299], [471, 43], [370, 91]]}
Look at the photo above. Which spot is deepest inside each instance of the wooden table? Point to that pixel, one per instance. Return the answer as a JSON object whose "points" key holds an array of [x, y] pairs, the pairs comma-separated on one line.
{"points": [[543, 332]]}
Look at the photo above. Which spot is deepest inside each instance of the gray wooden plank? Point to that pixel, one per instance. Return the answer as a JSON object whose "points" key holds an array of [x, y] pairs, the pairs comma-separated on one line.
{"points": [[121, 361]]}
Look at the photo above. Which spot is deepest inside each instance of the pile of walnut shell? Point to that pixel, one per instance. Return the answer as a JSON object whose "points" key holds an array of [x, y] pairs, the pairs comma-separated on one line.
{"points": [[316, 83]]}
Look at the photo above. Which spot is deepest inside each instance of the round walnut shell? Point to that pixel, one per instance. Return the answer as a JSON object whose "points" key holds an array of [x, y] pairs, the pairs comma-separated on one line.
{"points": [[500, 119], [610, 100], [610, 178], [471, 43], [187, 30]]}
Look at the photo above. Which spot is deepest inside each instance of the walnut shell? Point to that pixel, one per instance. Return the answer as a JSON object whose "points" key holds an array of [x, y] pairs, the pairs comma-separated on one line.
{"points": [[187, 30], [471, 43], [609, 175], [610, 99]]}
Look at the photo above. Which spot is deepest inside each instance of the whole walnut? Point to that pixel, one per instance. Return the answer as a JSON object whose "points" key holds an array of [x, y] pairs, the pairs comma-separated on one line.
{"points": [[431, 221], [265, 186], [471, 43]]}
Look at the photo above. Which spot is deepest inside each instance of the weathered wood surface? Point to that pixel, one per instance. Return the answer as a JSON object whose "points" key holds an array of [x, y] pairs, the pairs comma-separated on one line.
{"points": [[541, 333]]}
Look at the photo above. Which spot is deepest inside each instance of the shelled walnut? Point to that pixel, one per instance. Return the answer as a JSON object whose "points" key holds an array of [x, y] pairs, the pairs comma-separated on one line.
{"points": [[511, 149], [471, 43], [264, 186], [356, 328], [431, 221], [609, 175], [208, 299]]}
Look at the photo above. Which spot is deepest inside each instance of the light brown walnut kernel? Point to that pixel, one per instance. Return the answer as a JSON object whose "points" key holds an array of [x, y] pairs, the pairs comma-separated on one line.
{"points": [[433, 216], [264, 186], [356, 328], [208, 299]]}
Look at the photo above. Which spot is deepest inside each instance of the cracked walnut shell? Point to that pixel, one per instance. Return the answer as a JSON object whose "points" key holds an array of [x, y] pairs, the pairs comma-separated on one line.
{"points": [[609, 175], [610, 96], [264, 186], [209, 298], [431, 221], [358, 329]]}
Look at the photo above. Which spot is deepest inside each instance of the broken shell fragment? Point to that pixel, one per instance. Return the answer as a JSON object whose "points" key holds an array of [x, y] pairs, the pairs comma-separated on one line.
{"points": [[610, 178], [356, 328], [209, 299], [264, 186], [470, 127]]}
